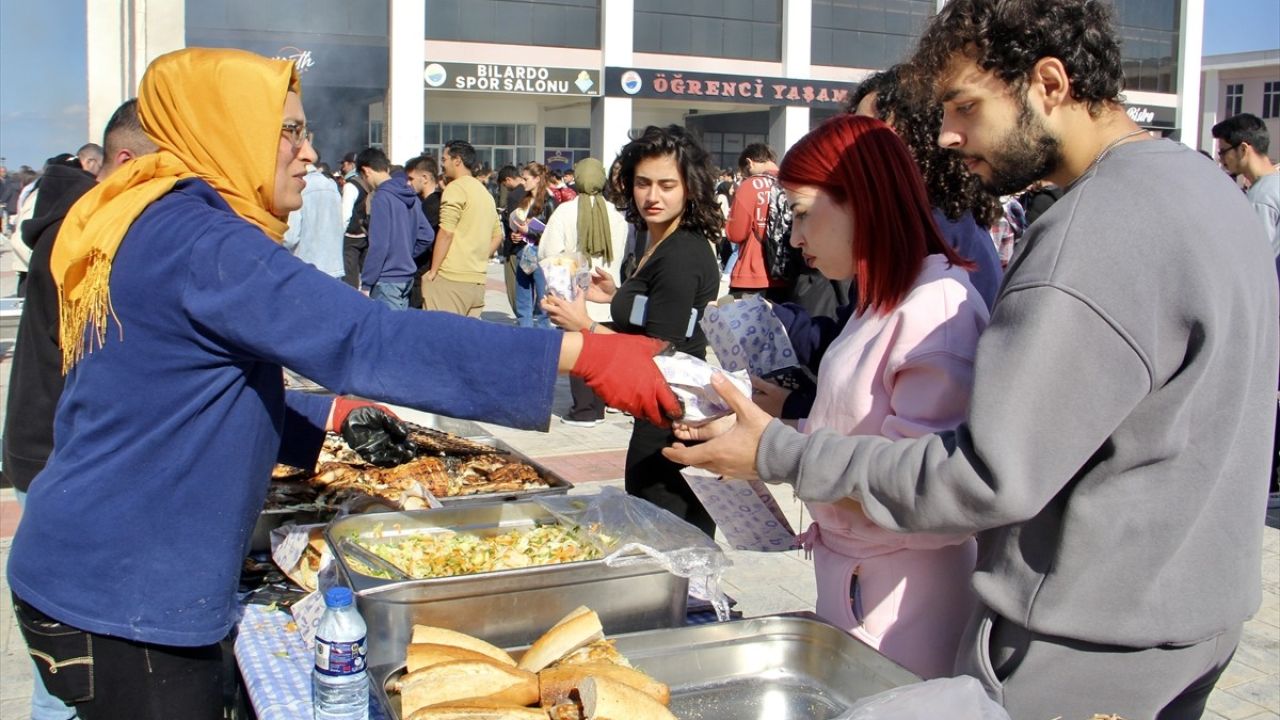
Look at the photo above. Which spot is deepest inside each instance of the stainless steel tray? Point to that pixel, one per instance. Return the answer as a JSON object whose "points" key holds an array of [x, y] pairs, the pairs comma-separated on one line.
{"points": [[770, 668], [269, 519], [556, 485], [509, 607]]}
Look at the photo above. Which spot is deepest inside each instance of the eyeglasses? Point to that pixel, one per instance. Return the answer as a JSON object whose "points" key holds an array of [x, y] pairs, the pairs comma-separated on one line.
{"points": [[297, 134], [1225, 150]]}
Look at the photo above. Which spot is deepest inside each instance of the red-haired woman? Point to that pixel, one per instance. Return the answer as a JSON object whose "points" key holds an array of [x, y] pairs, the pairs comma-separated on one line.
{"points": [[901, 367]]}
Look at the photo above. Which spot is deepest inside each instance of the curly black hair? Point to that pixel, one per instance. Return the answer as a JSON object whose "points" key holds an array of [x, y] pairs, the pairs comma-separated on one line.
{"points": [[1008, 37], [951, 187], [701, 213]]}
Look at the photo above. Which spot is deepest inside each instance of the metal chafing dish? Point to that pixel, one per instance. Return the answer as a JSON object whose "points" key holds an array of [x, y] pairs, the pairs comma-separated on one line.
{"points": [[509, 607], [271, 518], [771, 668], [556, 485]]}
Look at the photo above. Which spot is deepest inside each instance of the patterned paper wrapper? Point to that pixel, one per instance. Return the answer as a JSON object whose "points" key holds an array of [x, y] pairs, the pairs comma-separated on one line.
{"points": [[690, 380], [746, 335], [568, 274], [744, 510]]}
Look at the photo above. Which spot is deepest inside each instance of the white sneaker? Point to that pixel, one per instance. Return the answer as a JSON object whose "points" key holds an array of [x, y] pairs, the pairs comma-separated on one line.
{"points": [[612, 410], [581, 423]]}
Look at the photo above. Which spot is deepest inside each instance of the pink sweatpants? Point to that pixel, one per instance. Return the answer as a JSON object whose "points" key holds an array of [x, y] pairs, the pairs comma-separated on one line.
{"points": [[912, 604]]}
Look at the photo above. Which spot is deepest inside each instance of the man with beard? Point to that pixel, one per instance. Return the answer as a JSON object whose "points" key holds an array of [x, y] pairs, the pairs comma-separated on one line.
{"points": [[1114, 460]]}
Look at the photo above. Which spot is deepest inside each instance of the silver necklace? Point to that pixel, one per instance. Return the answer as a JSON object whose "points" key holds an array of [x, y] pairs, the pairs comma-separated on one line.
{"points": [[1111, 147]]}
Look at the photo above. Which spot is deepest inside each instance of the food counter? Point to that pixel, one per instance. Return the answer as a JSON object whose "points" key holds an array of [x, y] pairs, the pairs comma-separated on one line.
{"points": [[505, 570]]}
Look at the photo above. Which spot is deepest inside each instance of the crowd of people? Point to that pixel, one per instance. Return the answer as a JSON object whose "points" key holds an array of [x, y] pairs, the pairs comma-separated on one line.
{"points": [[1043, 386]]}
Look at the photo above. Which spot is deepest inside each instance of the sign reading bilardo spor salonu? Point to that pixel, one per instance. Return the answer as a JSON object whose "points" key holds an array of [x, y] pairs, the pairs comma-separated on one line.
{"points": [[521, 79]]}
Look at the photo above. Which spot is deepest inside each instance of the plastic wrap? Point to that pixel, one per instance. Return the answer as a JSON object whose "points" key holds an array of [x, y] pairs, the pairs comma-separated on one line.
{"points": [[960, 698], [690, 379], [647, 533]]}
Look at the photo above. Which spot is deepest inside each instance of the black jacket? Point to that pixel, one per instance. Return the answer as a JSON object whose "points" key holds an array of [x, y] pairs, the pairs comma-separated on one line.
{"points": [[36, 380]]}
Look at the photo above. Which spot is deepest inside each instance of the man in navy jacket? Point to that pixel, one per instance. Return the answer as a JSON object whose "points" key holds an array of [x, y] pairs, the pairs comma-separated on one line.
{"points": [[398, 232]]}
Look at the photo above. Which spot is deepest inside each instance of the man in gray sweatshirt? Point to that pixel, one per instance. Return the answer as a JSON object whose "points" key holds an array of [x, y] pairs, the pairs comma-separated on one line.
{"points": [[1114, 462]]}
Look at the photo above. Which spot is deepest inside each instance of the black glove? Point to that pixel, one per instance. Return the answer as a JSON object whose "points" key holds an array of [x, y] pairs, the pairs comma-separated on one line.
{"points": [[377, 436]]}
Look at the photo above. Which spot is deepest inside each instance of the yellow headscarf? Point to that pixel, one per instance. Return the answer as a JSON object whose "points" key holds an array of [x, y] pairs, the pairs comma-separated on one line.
{"points": [[213, 114]]}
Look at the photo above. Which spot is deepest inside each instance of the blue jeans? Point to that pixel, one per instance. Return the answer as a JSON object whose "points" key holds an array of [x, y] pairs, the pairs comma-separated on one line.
{"points": [[393, 295], [530, 289], [733, 258], [44, 706]]}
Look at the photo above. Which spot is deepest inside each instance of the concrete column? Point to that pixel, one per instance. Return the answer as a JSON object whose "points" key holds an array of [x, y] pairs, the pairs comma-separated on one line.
{"points": [[788, 124], [611, 117], [406, 90], [1191, 48], [1209, 111], [122, 38]]}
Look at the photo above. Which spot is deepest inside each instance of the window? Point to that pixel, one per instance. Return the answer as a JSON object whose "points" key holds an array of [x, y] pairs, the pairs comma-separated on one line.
{"points": [[746, 29], [725, 147], [376, 133], [555, 23], [495, 144], [565, 146], [866, 33], [1235, 99], [1271, 99], [1149, 31]]}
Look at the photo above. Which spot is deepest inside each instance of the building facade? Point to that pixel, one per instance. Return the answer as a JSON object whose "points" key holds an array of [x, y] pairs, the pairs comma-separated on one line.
{"points": [[1235, 83], [557, 80]]}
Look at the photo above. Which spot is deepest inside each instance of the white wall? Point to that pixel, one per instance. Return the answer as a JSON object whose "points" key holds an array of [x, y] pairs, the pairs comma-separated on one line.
{"points": [[119, 46], [405, 98]]}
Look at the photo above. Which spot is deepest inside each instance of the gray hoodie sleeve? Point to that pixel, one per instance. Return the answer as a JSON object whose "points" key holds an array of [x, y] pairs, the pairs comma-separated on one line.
{"points": [[1054, 378]]}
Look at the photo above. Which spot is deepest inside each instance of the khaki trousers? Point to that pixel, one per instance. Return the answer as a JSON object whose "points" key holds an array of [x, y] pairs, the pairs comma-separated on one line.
{"points": [[451, 296]]}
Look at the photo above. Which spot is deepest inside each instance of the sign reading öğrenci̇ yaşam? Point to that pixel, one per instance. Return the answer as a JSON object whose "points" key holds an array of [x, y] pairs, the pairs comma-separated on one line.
{"points": [[520, 79], [748, 89]]}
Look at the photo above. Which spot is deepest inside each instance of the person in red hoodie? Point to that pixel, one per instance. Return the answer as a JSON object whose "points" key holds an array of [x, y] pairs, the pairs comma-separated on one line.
{"points": [[748, 219]]}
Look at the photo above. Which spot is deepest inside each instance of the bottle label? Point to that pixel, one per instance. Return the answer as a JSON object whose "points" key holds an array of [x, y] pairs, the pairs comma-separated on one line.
{"points": [[339, 658]]}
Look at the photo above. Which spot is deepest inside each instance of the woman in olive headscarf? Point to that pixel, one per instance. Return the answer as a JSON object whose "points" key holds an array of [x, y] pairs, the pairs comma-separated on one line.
{"points": [[589, 224], [179, 308]]}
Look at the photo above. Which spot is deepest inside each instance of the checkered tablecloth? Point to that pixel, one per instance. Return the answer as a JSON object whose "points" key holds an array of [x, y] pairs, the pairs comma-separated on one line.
{"points": [[276, 666]]}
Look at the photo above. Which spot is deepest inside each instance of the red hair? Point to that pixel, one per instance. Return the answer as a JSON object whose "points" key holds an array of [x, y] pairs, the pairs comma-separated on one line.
{"points": [[861, 162]]}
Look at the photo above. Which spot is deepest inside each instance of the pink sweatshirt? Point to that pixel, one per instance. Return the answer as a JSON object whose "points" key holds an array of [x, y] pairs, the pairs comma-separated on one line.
{"points": [[903, 374]]}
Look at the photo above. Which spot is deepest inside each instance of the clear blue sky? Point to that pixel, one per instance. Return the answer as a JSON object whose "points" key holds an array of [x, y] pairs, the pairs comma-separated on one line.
{"points": [[42, 68]]}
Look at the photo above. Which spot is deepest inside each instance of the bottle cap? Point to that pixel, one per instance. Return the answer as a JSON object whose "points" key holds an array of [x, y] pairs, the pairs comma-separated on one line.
{"points": [[337, 597]]}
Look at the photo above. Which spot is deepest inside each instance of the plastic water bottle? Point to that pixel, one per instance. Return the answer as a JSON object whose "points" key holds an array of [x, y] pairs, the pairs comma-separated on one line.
{"points": [[339, 683]]}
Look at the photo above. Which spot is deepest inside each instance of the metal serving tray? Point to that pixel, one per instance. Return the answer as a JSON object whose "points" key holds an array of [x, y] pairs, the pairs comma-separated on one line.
{"points": [[509, 607], [556, 485], [770, 668], [269, 519]]}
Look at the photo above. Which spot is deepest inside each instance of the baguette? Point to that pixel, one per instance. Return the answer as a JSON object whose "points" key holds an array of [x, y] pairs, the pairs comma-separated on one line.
{"points": [[555, 683], [466, 679], [444, 636], [604, 699], [478, 712], [424, 655], [577, 629], [598, 651]]}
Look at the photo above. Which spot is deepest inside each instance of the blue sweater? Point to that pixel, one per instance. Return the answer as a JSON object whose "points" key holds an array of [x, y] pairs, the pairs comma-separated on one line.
{"points": [[398, 232], [165, 437]]}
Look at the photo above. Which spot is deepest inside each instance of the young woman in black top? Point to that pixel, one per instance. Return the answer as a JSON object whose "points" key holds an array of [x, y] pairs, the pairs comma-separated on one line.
{"points": [[667, 183]]}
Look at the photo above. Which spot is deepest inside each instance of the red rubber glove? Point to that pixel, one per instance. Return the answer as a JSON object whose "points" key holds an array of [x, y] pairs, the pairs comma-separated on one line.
{"points": [[344, 404], [620, 369]]}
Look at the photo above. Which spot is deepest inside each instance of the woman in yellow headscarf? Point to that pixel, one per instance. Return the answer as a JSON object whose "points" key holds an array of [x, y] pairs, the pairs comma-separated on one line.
{"points": [[179, 308]]}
